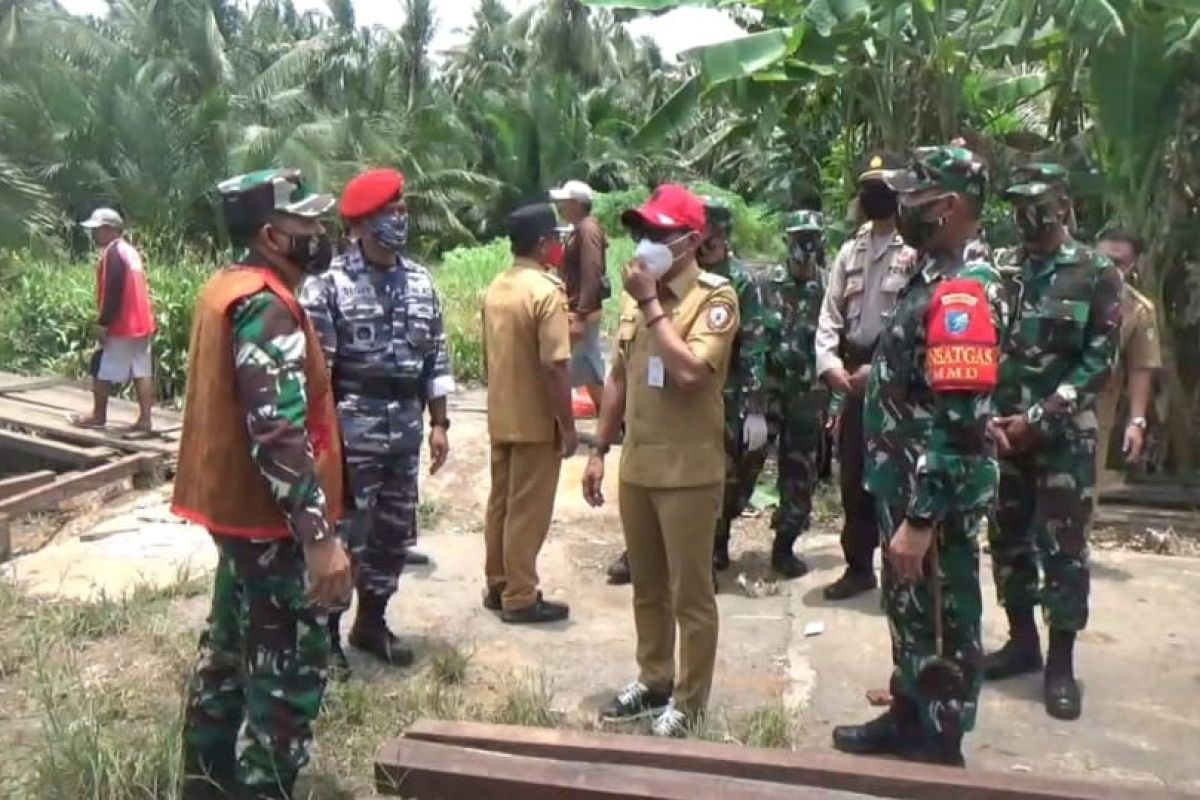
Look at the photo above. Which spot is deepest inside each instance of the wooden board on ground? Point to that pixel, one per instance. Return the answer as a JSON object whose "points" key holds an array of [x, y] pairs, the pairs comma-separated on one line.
{"points": [[410, 768], [867, 776], [43, 420], [121, 413], [19, 484], [1154, 495], [53, 451], [66, 486], [11, 382], [1137, 519]]}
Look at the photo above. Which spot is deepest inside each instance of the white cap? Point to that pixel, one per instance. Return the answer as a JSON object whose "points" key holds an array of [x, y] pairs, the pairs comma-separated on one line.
{"points": [[573, 190], [104, 217]]}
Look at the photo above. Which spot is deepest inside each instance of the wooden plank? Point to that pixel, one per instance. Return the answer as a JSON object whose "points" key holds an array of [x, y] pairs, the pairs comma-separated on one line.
{"points": [[42, 420], [77, 401], [18, 484], [73, 484], [57, 452], [10, 382], [830, 770], [1153, 495], [409, 768], [5, 539]]}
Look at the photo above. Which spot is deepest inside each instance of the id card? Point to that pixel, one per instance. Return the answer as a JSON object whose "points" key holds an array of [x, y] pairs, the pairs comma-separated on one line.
{"points": [[656, 375]]}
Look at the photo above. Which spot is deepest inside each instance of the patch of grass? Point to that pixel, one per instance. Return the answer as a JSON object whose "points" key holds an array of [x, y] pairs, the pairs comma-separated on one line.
{"points": [[527, 701], [448, 665], [768, 726], [428, 514]]}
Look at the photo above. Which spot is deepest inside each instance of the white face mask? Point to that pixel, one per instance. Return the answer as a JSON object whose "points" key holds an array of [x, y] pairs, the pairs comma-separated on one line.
{"points": [[657, 257]]}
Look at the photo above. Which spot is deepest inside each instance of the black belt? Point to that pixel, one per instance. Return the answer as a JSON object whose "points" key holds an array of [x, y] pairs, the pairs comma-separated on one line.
{"points": [[381, 388]]}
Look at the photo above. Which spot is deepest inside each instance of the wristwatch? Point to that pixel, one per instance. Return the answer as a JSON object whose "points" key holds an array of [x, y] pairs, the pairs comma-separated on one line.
{"points": [[1138, 422], [444, 424], [1035, 414], [601, 449]]}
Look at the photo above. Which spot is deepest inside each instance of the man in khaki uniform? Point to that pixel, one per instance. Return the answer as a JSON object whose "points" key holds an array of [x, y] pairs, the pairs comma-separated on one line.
{"points": [[1139, 358], [676, 332], [864, 280], [528, 348]]}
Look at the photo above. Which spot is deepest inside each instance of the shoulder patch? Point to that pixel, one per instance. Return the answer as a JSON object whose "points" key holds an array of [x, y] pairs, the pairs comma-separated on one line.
{"points": [[712, 280], [719, 316]]}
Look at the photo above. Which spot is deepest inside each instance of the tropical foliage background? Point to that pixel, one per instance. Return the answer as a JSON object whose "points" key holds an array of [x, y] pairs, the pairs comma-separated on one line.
{"points": [[146, 108]]}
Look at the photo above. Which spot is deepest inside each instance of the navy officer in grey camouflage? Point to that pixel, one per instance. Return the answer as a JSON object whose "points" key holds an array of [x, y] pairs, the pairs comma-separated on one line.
{"points": [[379, 320]]}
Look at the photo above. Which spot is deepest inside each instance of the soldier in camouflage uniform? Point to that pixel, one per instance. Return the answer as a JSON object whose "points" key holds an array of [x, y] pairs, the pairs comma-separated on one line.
{"points": [[260, 468], [931, 463], [746, 430], [796, 400], [380, 324], [1058, 355]]}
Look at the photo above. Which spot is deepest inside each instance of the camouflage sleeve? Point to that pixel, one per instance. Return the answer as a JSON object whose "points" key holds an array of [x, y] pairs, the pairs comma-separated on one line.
{"points": [[316, 297], [1102, 342], [269, 348], [752, 347], [439, 380], [958, 471]]}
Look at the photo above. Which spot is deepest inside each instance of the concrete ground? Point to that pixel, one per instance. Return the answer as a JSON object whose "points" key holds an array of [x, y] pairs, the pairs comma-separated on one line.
{"points": [[1139, 660]]}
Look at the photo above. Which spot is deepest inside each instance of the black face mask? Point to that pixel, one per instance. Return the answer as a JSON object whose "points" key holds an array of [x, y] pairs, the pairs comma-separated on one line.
{"points": [[311, 253], [877, 202], [1036, 221], [916, 230]]}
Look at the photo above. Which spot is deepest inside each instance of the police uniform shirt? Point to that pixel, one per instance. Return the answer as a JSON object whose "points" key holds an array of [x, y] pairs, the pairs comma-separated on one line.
{"points": [[525, 328]]}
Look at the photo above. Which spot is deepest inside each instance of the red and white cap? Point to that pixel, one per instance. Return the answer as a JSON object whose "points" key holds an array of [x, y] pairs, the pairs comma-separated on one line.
{"points": [[670, 206]]}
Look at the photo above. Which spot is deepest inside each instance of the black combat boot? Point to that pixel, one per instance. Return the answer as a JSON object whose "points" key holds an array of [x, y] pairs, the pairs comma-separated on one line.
{"points": [[339, 665], [784, 561], [1061, 691], [721, 546], [371, 635], [618, 571], [1021, 654], [851, 584], [892, 733]]}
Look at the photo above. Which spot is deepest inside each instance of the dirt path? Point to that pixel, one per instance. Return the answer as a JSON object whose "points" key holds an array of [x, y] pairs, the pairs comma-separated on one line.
{"points": [[1138, 660]]}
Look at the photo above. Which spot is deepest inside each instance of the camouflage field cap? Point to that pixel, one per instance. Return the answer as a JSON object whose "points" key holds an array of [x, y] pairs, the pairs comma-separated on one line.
{"points": [[1038, 179], [955, 169], [804, 220], [248, 200], [719, 216]]}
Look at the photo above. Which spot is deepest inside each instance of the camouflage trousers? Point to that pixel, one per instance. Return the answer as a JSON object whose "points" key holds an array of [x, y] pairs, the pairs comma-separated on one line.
{"points": [[800, 435], [257, 686], [382, 524], [1042, 519], [945, 705]]}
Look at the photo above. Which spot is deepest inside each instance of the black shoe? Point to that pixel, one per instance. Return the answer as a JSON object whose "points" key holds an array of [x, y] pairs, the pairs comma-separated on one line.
{"points": [[1012, 660], [941, 751], [851, 584], [618, 571], [541, 611], [1062, 697], [492, 599], [414, 559], [879, 737], [788, 565], [636, 701], [381, 643]]}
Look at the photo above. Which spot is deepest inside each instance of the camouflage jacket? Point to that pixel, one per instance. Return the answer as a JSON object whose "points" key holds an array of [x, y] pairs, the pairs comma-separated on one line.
{"points": [[793, 311], [269, 349], [1064, 337], [928, 452], [745, 387], [383, 337]]}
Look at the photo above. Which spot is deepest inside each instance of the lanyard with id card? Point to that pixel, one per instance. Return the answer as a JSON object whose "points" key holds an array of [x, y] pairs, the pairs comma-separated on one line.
{"points": [[656, 374]]}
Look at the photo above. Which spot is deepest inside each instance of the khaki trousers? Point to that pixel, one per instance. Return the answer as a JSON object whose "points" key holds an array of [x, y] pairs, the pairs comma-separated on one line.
{"points": [[521, 503], [669, 535]]}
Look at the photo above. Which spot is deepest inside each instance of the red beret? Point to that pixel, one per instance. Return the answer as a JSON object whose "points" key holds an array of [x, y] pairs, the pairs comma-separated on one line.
{"points": [[371, 191]]}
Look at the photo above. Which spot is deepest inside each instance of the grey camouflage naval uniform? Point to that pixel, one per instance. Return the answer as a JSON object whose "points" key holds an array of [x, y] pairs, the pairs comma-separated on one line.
{"points": [[382, 333]]}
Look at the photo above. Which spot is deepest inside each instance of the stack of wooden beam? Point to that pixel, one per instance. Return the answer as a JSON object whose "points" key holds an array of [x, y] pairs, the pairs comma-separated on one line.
{"points": [[45, 460], [467, 761]]}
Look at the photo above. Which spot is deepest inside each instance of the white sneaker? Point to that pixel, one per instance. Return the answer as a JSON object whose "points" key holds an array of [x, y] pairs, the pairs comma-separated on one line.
{"points": [[635, 701], [672, 724]]}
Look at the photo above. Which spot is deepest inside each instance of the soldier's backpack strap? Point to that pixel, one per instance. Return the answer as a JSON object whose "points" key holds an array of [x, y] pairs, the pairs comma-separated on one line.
{"points": [[962, 348]]}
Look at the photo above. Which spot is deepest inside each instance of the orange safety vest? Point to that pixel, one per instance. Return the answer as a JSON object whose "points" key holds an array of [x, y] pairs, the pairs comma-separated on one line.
{"points": [[217, 483], [136, 319]]}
